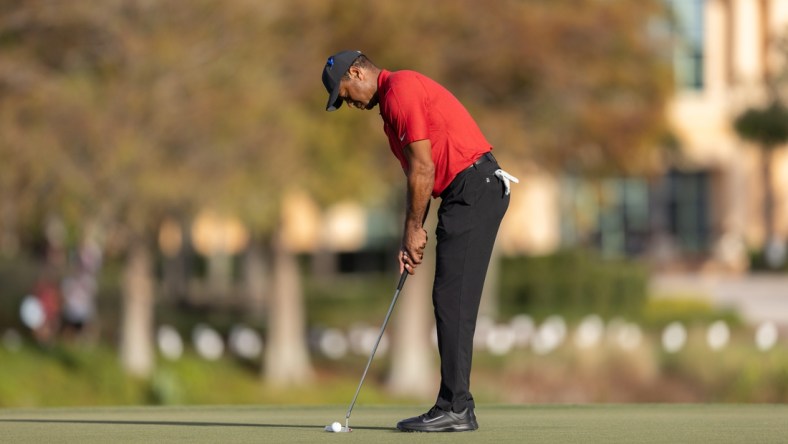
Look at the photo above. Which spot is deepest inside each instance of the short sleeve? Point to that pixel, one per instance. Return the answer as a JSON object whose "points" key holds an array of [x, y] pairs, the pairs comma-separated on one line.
{"points": [[409, 111]]}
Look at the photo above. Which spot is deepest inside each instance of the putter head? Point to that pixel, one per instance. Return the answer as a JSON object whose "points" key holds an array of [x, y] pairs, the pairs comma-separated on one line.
{"points": [[341, 429]]}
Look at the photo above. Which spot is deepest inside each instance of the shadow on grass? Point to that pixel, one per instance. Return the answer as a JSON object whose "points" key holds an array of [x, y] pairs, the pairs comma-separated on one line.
{"points": [[177, 423]]}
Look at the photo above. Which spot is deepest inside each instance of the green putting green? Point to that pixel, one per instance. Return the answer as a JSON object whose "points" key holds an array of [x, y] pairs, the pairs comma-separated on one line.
{"points": [[593, 423]]}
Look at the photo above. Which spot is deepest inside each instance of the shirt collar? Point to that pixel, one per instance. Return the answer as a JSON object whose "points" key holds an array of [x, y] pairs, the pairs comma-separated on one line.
{"points": [[383, 84]]}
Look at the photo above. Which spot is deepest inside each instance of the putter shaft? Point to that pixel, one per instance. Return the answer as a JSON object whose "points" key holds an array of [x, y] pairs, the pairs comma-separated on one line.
{"points": [[401, 283]]}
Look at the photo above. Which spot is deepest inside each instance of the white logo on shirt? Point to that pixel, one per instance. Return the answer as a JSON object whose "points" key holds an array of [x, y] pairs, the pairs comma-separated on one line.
{"points": [[402, 137]]}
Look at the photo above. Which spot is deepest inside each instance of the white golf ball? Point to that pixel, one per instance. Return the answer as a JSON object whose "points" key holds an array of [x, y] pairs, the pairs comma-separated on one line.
{"points": [[336, 426]]}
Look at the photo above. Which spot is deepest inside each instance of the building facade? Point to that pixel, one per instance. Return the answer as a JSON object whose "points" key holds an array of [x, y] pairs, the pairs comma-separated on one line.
{"points": [[705, 210]]}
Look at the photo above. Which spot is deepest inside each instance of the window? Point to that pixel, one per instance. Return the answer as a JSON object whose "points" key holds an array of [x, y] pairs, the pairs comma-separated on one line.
{"points": [[687, 209], [619, 216], [613, 215], [624, 221], [687, 30]]}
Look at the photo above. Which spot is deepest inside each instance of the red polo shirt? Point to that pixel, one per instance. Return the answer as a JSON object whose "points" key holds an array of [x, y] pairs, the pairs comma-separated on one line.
{"points": [[415, 107]]}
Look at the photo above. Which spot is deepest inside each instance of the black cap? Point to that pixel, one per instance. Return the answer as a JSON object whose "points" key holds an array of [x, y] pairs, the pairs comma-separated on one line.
{"points": [[336, 67]]}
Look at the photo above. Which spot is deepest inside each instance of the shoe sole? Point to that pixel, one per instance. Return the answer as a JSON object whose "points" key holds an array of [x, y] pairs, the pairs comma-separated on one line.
{"points": [[464, 428]]}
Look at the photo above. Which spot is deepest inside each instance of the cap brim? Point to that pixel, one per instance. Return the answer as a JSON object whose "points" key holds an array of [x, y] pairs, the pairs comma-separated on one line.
{"points": [[334, 102]]}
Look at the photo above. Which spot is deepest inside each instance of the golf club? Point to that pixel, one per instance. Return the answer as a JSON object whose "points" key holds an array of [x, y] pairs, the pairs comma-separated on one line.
{"points": [[336, 426]]}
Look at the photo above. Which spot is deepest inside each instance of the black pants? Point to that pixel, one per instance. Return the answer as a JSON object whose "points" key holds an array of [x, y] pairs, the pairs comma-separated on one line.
{"points": [[468, 219]]}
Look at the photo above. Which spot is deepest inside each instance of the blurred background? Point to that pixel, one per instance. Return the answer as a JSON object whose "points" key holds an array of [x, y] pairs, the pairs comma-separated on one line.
{"points": [[182, 222]]}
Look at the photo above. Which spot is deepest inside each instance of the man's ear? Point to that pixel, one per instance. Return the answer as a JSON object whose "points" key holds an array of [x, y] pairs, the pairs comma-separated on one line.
{"points": [[356, 73]]}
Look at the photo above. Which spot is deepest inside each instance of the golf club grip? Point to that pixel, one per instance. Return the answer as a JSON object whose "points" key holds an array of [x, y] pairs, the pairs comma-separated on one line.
{"points": [[402, 280]]}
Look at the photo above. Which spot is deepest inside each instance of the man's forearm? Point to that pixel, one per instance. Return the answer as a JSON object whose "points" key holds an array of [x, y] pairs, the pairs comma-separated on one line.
{"points": [[421, 178], [420, 183]]}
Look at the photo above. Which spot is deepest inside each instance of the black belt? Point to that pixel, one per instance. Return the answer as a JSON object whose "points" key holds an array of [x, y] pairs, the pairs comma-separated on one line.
{"points": [[486, 157]]}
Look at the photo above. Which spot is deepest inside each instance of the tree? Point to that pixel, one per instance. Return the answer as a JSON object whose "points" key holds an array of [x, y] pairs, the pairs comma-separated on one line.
{"points": [[566, 83], [411, 353], [767, 126], [55, 159], [121, 113]]}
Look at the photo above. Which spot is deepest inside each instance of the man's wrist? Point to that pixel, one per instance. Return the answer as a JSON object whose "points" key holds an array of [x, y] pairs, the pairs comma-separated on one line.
{"points": [[414, 225]]}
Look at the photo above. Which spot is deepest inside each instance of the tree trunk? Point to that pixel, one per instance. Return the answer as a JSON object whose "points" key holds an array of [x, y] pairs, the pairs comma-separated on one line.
{"points": [[490, 294], [220, 270], [773, 247], [136, 336], [255, 280], [286, 357], [174, 276], [768, 195], [412, 371]]}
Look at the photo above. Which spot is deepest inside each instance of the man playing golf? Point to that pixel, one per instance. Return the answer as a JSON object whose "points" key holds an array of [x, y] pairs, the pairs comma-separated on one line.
{"points": [[443, 154]]}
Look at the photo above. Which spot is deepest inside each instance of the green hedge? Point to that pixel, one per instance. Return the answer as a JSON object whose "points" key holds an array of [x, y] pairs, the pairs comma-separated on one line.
{"points": [[574, 283], [687, 309]]}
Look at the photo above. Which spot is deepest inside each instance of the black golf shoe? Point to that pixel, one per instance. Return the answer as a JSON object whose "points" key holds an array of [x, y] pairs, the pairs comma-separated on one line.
{"points": [[437, 420]]}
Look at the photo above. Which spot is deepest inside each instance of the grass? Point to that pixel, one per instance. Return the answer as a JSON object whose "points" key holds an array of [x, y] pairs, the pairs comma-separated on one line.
{"points": [[593, 423], [65, 376]]}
